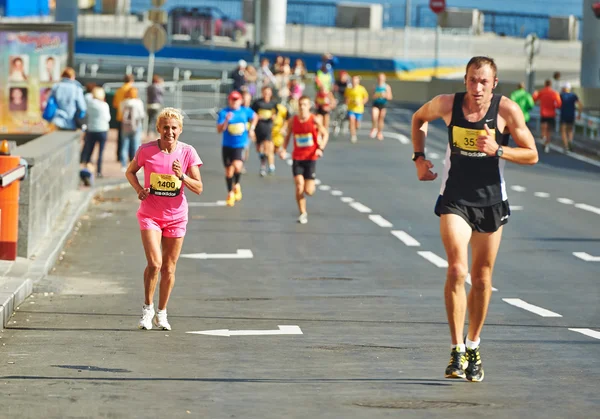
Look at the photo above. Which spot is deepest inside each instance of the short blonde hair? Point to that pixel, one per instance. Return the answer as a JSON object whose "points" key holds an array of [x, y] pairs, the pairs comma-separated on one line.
{"points": [[168, 113], [98, 93]]}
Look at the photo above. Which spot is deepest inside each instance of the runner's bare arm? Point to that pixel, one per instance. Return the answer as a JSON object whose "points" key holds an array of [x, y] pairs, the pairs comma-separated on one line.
{"points": [[525, 152], [438, 107], [389, 92], [131, 176], [324, 135], [286, 141], [193, 180]]}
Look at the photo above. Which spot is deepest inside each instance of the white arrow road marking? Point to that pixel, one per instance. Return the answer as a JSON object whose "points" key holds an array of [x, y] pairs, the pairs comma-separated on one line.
{"points": [[360, 207], [335, 192], [468, 281], [518, 188], [588, 208], [517, 302], [433, 258], [346, 199], [405, 238], [565, 201], [241, 254], [588, 332], [324, 187], [541, 194], [586, 256], [283, 330], [207, 204], [380, 221], [516, 208]]}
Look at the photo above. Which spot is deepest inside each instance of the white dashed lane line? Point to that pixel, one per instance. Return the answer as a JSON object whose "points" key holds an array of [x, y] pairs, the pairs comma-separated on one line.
{"points": [[518, 188], [346, 199], [541, 194], [380, 221], [516, 208], [589, 208], [588, 332], [566, 201], [517, 302], [433, 258], [324, 187], [406, 238], [360, 207], [434, 156], [335, 192]]}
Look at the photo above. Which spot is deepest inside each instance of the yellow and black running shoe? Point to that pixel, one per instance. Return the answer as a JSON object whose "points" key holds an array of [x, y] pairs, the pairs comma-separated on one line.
{"points": [[457, 365], [474, 371]]}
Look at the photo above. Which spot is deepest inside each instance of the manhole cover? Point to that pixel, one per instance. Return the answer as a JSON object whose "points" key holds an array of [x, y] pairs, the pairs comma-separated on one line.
{"points": [[415, 404], [323, 278]]}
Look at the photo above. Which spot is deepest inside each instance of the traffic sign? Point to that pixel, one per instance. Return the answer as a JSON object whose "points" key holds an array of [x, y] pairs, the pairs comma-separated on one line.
{"points": [[437, 6], [155, 38], [532, 45]]}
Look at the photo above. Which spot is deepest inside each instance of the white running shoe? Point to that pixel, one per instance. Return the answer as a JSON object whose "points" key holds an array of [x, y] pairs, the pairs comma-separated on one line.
{"points": [[303, 219], [146, 320], [160, 320], [353, 139]]}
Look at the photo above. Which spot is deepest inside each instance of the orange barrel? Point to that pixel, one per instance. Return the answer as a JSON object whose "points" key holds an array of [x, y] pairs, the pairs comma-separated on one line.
{"points": [[9, 210]]}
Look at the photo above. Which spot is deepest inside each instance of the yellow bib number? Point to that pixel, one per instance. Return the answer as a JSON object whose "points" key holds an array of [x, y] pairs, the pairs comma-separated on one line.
{"points": [[265, 113], [466, 139], [236, 129], [164, 185]]}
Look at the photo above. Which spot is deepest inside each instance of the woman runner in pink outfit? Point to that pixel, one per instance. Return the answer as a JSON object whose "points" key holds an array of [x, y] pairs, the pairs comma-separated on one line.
{"points": [[169, 165]]}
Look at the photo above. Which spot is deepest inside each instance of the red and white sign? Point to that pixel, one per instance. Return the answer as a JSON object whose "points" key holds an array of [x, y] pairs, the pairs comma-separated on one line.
{"points": [[437, 6]]}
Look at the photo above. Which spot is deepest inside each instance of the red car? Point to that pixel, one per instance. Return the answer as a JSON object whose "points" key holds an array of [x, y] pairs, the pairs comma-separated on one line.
{"points": [[202, 23]]}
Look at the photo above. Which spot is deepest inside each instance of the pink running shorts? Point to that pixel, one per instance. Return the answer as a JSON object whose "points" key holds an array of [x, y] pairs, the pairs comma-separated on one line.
{"points": [[169, 228]]}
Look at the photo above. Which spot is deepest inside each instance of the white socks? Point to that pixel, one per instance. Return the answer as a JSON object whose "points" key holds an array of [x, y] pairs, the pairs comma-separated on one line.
{"points": [[149, 306], [469, 344], [460, 347]]}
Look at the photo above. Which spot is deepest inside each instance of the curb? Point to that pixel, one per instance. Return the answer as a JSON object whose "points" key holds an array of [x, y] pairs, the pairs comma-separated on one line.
{"points": [[14, 290]]}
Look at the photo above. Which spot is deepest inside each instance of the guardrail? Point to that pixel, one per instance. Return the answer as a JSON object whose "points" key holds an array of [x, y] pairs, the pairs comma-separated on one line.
{"points": [[590, 124]]}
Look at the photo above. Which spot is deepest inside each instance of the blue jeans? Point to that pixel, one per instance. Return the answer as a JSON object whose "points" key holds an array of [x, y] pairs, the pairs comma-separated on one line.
{"points": [[90, 140], [131, 142]]}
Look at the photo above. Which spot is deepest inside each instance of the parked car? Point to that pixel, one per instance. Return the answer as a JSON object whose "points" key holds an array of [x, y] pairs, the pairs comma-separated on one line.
{"points": [[202, 23]]}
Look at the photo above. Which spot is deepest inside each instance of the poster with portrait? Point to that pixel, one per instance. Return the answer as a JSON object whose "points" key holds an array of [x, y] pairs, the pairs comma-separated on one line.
{"points": [[32, 57]]}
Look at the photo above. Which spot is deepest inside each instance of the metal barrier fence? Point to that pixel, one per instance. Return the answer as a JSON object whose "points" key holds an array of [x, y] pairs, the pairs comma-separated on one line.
{"points": [[588, 124], [193, 97]]}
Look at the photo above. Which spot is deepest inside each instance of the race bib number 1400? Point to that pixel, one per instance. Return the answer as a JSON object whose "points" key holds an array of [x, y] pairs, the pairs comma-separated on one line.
{"points": [[164, 185]]}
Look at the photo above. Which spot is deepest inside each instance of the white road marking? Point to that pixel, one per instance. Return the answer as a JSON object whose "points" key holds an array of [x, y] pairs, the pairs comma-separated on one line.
{"points": [[324, 187], [400, 137], [516, 208], [380, 221], [586, 256], [565, 201], [207, 204], [517, 302], [240, 254], [588, 332], [433, 258], [317, 182], [434, 156], [541, 194], [335, 192], [405, 238], [283, 330], [468, 281], [360, 207], [346, 199], [518, 188], [589, 208]]}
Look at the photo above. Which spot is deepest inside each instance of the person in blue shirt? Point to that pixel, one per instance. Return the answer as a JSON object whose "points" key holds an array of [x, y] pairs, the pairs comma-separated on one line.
{"points": [[232, 122], [567, 115]]}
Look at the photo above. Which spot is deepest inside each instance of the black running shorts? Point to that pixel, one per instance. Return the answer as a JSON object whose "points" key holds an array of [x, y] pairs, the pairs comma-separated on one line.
{"points": [[263, 132], [305, 168], [230, 154], [481, 219]]}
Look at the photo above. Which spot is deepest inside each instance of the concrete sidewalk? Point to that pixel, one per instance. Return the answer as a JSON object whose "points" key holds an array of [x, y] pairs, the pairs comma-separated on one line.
{"points": [[18, 278]]}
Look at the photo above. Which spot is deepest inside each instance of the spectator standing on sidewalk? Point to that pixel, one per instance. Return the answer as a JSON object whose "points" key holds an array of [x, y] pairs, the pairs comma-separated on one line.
{"points": [[70, 103], [239, 76], [119, 97], [570, 101], [154, 101], [98, 118], [549, 101], [524, 99]]}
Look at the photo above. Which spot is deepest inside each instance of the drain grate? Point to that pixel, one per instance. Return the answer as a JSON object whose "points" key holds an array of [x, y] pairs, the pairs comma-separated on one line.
{"points": [[351, 347], [323, 278], [415, 404]]}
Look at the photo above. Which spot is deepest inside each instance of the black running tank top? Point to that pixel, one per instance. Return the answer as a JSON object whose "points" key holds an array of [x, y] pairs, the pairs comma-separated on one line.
{"points": [[470, 176]]}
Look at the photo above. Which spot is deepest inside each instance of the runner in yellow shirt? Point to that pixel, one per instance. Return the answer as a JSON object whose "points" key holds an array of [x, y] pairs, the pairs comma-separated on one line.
{"points": [[356, 97], [280, 127]]}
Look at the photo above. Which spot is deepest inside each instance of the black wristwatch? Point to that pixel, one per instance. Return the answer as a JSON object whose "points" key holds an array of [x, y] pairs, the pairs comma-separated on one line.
{"points": [[182, 177], [500, 151], [417, 154]]}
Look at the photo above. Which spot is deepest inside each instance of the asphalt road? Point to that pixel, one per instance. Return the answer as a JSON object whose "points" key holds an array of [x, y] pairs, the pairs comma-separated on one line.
{"points": [[370, 308]]}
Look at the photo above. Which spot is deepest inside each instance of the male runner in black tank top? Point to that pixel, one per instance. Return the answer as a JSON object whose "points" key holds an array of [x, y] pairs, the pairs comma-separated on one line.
{"points": [[472, 205]]}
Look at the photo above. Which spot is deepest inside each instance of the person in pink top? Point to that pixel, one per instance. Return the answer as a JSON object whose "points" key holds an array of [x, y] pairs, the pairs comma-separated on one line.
{"points": [[169, 166]]}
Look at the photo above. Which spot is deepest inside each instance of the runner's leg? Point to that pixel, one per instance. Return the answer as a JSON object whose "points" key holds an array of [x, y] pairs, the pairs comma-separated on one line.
{"points": [[151, 240], [171, 248]]}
